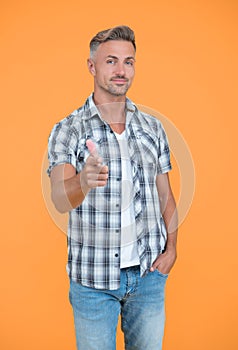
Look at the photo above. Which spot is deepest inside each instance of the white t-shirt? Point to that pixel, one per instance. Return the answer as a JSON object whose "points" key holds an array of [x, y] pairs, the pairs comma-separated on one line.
{"points": [[129, 253]]}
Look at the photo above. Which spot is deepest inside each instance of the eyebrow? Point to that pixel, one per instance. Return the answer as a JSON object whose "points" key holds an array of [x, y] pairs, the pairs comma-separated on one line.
{"points": [[126, 58]]}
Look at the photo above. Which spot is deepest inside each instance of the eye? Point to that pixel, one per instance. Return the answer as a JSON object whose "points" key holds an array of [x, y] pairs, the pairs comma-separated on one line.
{"points": [[129, 63], [110, 61]]}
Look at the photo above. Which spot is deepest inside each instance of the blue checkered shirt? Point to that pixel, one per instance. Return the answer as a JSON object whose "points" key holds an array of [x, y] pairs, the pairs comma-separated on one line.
{"points": [[95, 226]]}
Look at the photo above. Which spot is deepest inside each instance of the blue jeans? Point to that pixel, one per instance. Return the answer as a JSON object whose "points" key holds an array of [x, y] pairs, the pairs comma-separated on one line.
{"points": [[140, 302]]}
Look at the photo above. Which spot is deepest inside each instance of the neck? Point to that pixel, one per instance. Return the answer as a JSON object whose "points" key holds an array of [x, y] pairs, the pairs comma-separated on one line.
{"points": [[113, 111]]}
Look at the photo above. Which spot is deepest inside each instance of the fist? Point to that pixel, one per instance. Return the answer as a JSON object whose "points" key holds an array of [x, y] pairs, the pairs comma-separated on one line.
{"points": [[94, 173]]}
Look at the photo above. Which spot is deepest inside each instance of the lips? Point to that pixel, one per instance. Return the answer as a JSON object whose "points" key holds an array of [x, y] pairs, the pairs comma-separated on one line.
{"points": [[119, 80]]}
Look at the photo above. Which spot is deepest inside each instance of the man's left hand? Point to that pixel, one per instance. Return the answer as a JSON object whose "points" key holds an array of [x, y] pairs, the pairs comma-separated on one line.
{"points": [[164, 262]]}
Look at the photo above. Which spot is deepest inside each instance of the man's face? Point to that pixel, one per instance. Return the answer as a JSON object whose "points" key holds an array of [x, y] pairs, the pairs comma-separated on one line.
{"points": [[113, 67]]}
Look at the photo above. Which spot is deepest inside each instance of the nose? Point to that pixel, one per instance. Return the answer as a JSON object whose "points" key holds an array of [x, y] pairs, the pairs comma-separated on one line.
{"points": [[120, 69]]}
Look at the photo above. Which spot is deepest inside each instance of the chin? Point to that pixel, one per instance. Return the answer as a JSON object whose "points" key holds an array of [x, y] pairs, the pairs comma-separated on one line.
{"points": [[119, 91]]}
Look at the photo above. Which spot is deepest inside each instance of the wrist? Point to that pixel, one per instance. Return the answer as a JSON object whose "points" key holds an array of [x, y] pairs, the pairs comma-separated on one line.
{"points": [[171, 248], [83, 185], [171, 243]]}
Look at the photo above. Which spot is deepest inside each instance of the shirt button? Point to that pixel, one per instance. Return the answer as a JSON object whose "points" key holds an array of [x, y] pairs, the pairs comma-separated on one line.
{"points": [[116, 255], [117, 231], [118, 179]]}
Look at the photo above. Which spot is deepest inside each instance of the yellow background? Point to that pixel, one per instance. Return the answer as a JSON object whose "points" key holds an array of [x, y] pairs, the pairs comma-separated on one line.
{"points": [[187, 70]]}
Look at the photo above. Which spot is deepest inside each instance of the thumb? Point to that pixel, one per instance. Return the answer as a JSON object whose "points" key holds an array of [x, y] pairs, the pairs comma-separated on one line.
{"points": [[92, 148]]}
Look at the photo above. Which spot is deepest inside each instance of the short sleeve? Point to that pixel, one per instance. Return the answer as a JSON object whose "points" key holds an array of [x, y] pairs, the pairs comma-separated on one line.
{"points": [[164, 164], [62, 146]]}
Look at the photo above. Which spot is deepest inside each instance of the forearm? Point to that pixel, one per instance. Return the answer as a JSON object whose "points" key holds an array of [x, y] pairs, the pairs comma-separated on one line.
{"points": [[170, 216], [68, 194], [69, 189], [165, 261]]}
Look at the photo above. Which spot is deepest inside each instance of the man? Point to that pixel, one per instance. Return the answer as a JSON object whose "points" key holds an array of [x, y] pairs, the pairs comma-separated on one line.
{"points": [[109, 166]]}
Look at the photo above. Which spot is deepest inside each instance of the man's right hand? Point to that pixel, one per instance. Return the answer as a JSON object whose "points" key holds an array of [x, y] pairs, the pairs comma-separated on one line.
{"points": [[94, 173], [69, 189]]}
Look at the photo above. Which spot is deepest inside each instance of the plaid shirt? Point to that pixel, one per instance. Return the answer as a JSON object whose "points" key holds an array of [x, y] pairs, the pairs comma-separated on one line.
{"points": [[95, 226]]}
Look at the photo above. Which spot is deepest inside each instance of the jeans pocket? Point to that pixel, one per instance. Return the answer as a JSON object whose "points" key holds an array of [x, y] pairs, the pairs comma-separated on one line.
{"points": [[164, 275]]}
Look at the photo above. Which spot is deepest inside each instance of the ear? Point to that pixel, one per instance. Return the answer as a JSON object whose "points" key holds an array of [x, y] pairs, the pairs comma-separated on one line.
{"points": [[91, 66]]}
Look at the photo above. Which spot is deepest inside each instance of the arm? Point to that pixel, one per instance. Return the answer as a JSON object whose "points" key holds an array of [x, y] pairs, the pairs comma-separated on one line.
{"points": [[69, 189], [165, 261]]}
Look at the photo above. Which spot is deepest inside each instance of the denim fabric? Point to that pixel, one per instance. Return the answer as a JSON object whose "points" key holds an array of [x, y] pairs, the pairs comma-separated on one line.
{"points": [[140, 300]]}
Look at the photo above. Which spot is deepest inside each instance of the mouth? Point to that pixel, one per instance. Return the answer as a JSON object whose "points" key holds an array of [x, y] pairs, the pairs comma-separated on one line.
{"points": [[119, 81]]}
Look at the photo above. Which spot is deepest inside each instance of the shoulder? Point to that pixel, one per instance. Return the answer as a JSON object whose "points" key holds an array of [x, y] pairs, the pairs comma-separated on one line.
{"points": [[149, 118], [149, 122], [71, 120], [68, 125], [144, 117]]}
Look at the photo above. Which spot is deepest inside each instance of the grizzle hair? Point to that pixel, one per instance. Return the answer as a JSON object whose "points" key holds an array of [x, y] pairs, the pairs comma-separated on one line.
{"points": [[117, 33]]}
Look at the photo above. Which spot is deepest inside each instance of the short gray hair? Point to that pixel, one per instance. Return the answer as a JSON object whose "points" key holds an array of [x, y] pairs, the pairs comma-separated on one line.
{"points": [[117, 33]]}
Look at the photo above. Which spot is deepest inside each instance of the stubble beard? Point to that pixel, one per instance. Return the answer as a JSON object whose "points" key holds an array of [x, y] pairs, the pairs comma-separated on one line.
{"points": [[117, 90]]}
